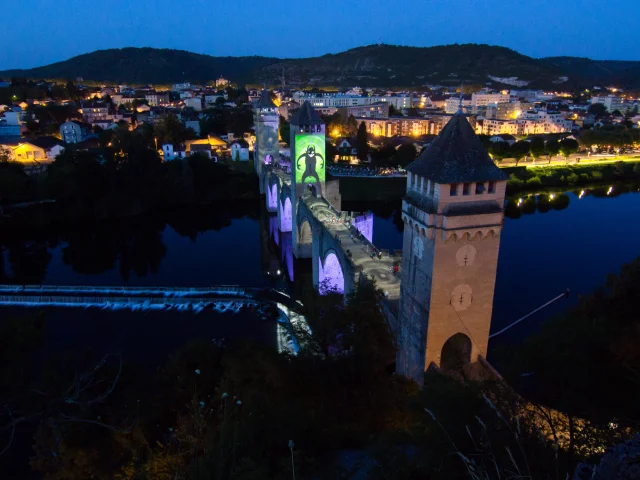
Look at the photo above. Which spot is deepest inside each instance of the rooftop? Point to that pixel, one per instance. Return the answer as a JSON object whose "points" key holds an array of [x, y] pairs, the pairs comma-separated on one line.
{"points": [[456, 155], [265, 100], [306, 115]]}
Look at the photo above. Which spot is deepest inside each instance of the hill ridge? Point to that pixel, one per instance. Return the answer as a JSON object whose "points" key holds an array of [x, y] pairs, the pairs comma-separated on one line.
{"points": [[376, 65]]}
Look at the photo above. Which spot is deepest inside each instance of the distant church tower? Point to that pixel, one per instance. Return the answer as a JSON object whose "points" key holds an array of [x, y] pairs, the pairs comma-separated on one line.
{"points": [[266, 122], [453, 214]]}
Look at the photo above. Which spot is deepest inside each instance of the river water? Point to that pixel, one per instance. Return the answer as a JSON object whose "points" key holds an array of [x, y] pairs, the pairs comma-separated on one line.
{"points": [[541, 254]]}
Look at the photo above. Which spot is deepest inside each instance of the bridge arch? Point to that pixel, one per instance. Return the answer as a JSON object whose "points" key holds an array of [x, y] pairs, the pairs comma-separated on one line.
{"points": [[331, 278], [305, 236], [456, 352], [272, 197], [285, 215]]}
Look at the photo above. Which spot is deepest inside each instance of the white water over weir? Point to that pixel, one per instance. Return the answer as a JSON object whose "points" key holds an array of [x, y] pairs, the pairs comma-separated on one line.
{"points": [[220, 299]]}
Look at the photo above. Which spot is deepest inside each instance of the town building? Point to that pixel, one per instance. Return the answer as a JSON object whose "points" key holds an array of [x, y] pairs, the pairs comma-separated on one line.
{"points": [[181, 87], [239, 150], [93, 111], [612, 102], [10, 125], [407, 126], [374, 110], [484, 99], [338, 100], [222, 82], [156, 99], [452, 104], [72, 132], [195, 103], [33, 151]]}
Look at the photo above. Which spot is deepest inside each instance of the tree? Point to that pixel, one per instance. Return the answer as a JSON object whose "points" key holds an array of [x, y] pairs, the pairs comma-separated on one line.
{"points": [[553, 148], [362, 144], [500, 150], [598, 110], [405, 154], [537, 147], [519, 150], [394, 112], [568, 146], [170, 130], [350, 127], [285, 130]]}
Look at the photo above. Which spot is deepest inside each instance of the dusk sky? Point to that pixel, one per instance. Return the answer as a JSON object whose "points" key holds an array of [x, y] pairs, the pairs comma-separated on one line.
{"points": [[39, 32]]}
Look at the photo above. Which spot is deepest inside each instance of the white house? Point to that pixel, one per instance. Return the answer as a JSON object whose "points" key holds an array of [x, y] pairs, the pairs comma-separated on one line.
{"points": [[240, 150], [71, 132], [173, 153], [195, 103]]}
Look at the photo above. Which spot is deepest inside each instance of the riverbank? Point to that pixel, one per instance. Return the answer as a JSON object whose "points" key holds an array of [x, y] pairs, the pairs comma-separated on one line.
{"points": [[541, 178], [178, 186]]}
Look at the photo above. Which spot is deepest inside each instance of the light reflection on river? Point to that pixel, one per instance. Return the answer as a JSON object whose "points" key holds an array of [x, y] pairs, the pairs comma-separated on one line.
{"points": [[541, 254]]}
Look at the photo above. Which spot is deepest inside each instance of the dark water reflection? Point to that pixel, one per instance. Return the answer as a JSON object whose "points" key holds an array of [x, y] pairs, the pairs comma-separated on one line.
{"points": [[548, 244]]}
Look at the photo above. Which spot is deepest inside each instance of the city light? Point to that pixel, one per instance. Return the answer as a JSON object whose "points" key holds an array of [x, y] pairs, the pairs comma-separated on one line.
{"points": [[581, 194], [610, 190], [552, 196]]}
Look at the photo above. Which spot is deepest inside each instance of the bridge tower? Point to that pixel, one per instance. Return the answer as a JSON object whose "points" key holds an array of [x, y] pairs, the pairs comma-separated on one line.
{"points": [[308, 166], [453, 214], [267, 122]]}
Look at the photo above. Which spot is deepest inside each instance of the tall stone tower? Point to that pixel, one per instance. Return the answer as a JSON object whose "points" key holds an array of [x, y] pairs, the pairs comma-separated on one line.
{"points": [[308, 164], [453, 213], [266, 122]]}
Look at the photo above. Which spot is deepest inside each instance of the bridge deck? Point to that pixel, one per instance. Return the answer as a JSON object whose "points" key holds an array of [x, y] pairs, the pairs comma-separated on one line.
{"points": [[361, 251]]}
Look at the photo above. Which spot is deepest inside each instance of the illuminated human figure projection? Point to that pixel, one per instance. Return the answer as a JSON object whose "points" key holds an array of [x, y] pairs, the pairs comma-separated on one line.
{"points": [[311, 158]]}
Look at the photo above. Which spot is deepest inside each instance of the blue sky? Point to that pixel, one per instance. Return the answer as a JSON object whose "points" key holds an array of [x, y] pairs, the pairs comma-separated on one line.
{"points": [[38, 32]]}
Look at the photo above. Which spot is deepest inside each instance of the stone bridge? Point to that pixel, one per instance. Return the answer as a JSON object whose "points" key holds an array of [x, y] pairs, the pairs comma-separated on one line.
{"points": [[340, 253]]}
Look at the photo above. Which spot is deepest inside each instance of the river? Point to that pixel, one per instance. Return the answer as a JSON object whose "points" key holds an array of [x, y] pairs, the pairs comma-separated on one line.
{"points": [[541, 254]]}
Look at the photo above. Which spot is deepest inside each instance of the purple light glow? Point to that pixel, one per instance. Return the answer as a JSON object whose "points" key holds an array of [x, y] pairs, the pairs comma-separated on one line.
{"points": [[285, 216], [268, 160], [287, 253], [273, 229], [272, 197], [364, 224], [331, 278]]}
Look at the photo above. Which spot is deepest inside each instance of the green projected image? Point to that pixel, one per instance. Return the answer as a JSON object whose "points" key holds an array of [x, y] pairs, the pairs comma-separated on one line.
{"points": [[310, 162]]}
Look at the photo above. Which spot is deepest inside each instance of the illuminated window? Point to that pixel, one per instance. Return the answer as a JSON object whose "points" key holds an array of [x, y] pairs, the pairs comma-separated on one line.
{"points": [[453, 189], [465, 188]]}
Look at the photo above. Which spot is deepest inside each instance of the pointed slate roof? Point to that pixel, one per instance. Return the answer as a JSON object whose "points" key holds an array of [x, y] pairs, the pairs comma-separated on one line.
{"points": [[456, 156], [265, 101], [306, 115]]}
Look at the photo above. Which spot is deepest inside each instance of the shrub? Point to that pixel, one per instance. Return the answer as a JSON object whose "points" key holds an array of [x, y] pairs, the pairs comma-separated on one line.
{"points": [[573, 179], [534, 182], [596, 175]]}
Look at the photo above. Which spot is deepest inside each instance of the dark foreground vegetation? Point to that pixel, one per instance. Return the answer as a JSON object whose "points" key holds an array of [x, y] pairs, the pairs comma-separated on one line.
{"points": [[247, 412]]}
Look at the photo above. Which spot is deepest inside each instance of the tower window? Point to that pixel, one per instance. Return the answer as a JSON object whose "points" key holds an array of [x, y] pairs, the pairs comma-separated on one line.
{"points": [[432, 188], [453, 190], [492, 187], [479, 188], [465, 188]]}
